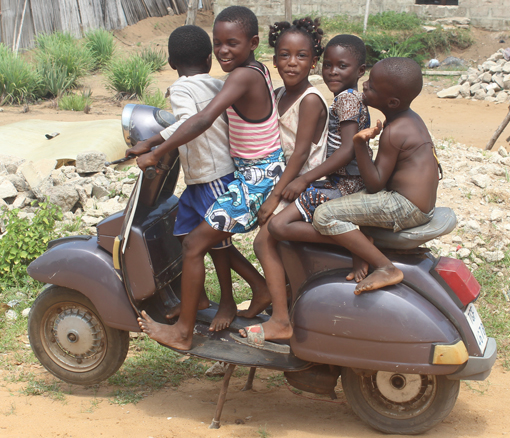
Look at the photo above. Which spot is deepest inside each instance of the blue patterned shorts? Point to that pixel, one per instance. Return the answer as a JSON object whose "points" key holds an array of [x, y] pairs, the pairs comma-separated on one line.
{"points": [[236, 210]]}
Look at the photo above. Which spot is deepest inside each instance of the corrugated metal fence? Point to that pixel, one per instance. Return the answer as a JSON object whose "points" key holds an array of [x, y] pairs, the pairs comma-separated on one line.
{"points": [[21, 20]]}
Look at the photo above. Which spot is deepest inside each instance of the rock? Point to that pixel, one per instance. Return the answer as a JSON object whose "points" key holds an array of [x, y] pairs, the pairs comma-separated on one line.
{"points": [[480, 94], [452, 60], [315, 79], [90, 162], [433, 63], [465, 89], [38, 176], [18, 182], [473, 225], [217, 370], [7, 189], [11, 315], [502, 97], [497, 215], [494, 256], [481, 181], [463, 253], [64, 196], [449, 92], [25, 312], [506, 82]]}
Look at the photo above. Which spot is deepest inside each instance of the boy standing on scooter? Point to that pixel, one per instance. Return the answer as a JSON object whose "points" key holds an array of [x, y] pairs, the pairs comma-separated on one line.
{"points": [[401, 185], [206, 162]]}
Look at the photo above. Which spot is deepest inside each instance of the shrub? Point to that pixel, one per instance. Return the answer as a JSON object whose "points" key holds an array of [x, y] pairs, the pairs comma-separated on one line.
{"points": [[25, 240], [101, 45], [156, 98], [19, 82], [128, 77], [75, 102], [62, 50], [156, 59], [55, 79], [391, 20]]}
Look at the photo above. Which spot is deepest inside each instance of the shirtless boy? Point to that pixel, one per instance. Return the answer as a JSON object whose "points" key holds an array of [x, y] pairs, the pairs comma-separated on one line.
{"points": [[401, 184]]}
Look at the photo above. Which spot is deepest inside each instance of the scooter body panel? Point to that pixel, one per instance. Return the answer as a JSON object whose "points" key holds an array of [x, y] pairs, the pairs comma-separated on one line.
{"points": [[84, 266], [391, 329]]}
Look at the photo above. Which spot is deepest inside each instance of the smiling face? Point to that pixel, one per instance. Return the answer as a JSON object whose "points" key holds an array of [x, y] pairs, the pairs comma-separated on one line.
{"points": [[231, 46], [341, 69], [294, 57], [377, 91]]}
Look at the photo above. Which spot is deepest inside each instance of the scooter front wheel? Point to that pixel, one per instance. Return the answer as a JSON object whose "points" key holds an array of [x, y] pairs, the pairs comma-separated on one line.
{"points": [[70, 339], [400, 403]]}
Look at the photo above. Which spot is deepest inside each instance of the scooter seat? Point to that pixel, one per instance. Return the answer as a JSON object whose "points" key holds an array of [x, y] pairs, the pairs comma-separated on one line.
{"points": [[443, 222]]}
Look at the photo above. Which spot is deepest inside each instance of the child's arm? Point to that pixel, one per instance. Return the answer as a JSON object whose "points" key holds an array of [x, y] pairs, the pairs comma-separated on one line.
{"points": [[340, 158], [375, 174], [310, 111], [236, 85]]}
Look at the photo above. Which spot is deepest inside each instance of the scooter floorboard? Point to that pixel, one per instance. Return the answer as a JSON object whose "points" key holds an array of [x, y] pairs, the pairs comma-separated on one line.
{"points": [[219, 346]]}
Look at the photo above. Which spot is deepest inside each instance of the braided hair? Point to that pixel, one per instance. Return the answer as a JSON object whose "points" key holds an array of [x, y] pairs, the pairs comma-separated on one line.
{"points": [[306, 26]]}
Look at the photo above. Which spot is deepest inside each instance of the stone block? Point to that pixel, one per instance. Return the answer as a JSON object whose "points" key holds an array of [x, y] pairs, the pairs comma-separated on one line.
{"points": [[7, 189], [451, 92], [90, 162]]}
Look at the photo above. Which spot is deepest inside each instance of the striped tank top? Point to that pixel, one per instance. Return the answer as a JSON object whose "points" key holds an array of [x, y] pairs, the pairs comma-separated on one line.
{"points": [[250, 139]]}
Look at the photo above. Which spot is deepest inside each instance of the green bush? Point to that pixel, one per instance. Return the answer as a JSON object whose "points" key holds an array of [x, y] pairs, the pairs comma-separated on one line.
{"points": [[75, 102], [25, 240], [156, 59], [391, 20], [156, 98], [101, 45], [63, 51], [128, 77], [55, 79], [19, 82]]}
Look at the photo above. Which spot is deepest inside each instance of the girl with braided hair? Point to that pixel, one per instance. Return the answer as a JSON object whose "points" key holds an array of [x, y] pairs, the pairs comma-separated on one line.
{"points": [[303, 123]]}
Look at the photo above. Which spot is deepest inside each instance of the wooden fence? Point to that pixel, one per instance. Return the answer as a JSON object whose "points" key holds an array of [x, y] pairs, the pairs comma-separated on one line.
{"points": [[22, 20]]}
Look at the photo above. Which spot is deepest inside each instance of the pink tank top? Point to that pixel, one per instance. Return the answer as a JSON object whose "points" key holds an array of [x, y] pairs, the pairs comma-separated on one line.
{"points": [[250, 139]]}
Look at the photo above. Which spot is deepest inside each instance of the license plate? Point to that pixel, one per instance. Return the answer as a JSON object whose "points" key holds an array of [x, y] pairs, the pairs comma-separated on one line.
{"points": [[476, 326]]}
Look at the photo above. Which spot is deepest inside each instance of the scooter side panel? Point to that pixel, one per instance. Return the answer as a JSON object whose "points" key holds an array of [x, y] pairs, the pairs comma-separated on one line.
{"points": [[83, 266], [391, 329]]}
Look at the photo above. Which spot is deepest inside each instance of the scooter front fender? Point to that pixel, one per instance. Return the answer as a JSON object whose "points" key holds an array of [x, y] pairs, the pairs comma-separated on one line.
{"points": [[81, 264], [391, 329]]}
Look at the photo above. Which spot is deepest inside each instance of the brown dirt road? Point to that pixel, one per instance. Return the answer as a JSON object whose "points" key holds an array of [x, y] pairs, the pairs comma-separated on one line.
{"points": [[482, 409]]}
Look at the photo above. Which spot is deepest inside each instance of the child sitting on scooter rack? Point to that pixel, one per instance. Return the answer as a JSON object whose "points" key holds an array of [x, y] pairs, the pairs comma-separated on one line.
{"points": [[401, 185], [303, 120], [206, 162], [248, 98], [343, 65]]}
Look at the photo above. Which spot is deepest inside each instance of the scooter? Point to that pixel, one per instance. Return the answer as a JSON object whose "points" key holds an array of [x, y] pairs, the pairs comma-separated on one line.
{"points": [[400, 352]]}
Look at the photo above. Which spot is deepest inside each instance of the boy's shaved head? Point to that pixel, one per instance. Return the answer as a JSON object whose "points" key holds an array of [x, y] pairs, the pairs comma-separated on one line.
{"points": [[353, 44], [242, 16], [189, 46], [406, 77]]}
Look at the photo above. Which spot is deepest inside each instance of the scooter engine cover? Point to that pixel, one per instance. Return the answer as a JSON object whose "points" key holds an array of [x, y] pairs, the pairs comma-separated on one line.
{"points": [[389, 329]]}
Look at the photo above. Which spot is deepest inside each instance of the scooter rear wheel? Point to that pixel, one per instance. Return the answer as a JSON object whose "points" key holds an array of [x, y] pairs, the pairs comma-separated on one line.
{"points": [[400, 403], [70, 339]]}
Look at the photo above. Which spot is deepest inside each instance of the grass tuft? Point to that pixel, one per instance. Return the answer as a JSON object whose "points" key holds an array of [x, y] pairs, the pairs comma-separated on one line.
{"points": [[155, 98], [101, 45], [156, 59], [128, 77], [75, 102]]}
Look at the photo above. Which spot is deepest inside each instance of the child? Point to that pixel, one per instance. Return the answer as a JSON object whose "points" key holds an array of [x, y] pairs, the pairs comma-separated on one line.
{"points": [[248, 98], [342, 67], [303, 120], [206, 162], [401, 185]]}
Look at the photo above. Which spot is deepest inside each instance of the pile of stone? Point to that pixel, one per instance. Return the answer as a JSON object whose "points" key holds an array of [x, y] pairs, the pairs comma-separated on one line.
{"points": [[489, 82], [90, 190]]}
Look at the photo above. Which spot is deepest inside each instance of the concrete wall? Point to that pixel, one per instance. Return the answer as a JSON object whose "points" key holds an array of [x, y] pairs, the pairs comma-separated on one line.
{"points": [[489, 14]]}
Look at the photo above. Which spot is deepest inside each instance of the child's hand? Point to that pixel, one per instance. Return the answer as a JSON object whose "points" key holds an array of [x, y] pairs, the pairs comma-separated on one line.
{"points": [[142, 147], [294, 189], [366, 134], [267, 208], [146, 160]]}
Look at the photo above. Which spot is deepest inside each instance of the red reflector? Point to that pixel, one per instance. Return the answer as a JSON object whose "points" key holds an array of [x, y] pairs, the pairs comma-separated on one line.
{"points": [[459, 278]]}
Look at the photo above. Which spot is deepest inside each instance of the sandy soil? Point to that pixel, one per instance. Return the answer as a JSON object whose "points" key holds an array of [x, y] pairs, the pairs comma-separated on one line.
{"points": [[481, 410]]}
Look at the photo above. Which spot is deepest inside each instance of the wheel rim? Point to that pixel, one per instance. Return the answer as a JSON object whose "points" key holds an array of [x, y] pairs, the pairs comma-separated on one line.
{"points": [[398, 395], [73, 337]]}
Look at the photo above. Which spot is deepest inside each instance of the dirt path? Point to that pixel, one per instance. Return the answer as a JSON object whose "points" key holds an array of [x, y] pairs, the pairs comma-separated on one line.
{"points": [[481, 411]]}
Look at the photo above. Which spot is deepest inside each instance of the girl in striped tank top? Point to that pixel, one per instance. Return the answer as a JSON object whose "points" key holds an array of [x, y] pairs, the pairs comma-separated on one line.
{"points": [[248, 98], [303, 118]]}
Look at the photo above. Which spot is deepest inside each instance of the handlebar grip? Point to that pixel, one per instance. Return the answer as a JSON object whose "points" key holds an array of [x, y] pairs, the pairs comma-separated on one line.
{"points": [[150, 172]]}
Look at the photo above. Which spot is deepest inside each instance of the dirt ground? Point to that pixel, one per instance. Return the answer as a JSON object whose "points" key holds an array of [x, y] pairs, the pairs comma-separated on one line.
{"points": [[481, 410]]}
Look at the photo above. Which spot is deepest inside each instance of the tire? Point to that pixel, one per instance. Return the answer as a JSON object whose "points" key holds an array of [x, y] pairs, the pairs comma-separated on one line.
{"points": [[70, 339], [400, 403]]}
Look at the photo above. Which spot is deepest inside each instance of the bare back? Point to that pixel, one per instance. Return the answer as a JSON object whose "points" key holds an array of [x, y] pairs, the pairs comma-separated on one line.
{"points": [[415, 174]]}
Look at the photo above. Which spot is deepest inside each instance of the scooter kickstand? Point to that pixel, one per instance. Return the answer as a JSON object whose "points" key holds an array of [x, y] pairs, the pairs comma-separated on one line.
{"points": [[223, 395], [249, 382]]}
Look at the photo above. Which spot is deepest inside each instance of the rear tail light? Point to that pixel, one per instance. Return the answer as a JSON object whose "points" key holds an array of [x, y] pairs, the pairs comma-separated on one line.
{"points": [[460, 279]]}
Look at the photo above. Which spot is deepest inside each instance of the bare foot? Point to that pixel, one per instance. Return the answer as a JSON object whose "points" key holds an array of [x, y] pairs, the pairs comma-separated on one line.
{"points": [[274, 330], [261, 299], [225, 315], [176, 311], [380, 278], [165, 334], [359, 267]]}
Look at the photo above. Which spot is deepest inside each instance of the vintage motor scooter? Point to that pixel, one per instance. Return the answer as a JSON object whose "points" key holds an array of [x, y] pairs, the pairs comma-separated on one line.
{"points": [[400, 351]]}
